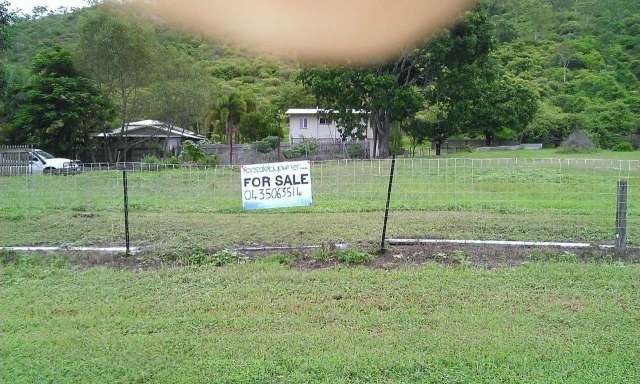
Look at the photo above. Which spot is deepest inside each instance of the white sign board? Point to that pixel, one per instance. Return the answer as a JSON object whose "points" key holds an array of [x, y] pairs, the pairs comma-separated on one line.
{"points": [[276, 185]]}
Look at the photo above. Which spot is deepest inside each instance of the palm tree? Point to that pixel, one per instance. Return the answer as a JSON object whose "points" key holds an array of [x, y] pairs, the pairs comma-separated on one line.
{"points": [[226, 113]]}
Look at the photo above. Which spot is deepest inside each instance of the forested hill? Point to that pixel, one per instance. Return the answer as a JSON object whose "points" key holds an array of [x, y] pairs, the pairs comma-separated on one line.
{"points": [[203, 69], [582, 57]]}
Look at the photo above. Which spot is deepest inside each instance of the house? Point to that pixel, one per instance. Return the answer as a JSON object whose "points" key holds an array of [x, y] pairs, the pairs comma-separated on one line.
{"points": [[148, 137], [311, 124]]}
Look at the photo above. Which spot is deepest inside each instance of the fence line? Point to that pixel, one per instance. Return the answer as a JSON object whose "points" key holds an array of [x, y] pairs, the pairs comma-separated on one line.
{"points": [[173, 206]]}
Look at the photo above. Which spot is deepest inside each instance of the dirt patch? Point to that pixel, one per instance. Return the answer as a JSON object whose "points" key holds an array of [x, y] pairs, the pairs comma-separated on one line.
{"points": [[314, 258]]}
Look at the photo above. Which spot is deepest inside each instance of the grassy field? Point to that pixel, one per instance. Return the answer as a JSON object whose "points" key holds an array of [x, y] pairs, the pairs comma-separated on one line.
{"points": [[502, 199], [548, 153], [262, 322]]}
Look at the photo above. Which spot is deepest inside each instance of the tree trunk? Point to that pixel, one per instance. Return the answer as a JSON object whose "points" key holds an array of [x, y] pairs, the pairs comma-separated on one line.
{"points": [[488, 139], [438, 147], [230, 134], [383, 134]]}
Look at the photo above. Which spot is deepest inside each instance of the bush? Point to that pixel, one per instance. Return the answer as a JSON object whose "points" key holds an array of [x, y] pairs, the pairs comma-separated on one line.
{"points": [[268, 144], [173, 160], [192, 152], [211, 161], [352, 256], [305, 148], [224, 257], [623, 146], [355, 151], [150, 159], [577, 142]]}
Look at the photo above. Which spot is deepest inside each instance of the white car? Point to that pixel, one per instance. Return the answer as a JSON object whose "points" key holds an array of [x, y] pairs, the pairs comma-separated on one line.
{"points": [[43, 162]]}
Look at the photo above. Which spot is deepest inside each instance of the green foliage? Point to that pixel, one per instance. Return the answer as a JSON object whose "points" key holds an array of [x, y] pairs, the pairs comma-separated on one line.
{"points": [[192, 152], [352, 256], [356, 151], [172, 160], [256, 126], [225, 257], [268, 144], [321, 255], [305, 148], [395, 141], [623, 146], [151, 159], [6, 18], [59, 109]]}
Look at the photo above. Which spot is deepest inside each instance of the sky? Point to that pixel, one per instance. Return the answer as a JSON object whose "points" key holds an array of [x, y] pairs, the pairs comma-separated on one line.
{"points": [[27, 5]]}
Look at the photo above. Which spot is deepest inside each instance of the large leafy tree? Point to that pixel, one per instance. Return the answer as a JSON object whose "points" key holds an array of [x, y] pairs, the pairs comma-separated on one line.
{"points": [[6, 18], [117, 51], [177, 95], [392, 92], [60, 109], [498, 103]]}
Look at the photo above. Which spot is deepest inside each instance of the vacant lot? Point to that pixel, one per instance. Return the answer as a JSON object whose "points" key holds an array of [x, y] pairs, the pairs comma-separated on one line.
{"points": [[264, 322], [505, 199]]}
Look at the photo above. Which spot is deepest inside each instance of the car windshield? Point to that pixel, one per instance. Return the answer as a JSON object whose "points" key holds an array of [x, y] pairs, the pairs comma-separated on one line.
{"points": [[45, 155]]}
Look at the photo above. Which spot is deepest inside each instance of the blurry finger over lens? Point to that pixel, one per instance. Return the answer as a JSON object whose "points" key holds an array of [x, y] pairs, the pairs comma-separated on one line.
{"points": [[314, 30]]}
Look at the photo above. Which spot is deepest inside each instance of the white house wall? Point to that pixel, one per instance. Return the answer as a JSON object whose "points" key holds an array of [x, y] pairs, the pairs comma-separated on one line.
{"points": [[314, 128]]}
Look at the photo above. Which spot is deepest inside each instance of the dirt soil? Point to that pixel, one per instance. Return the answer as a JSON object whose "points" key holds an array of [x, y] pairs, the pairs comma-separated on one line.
{"points": [[480, 256]]}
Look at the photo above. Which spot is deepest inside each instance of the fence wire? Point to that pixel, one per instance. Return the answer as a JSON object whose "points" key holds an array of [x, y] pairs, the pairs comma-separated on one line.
{"points": [[176, 207]]}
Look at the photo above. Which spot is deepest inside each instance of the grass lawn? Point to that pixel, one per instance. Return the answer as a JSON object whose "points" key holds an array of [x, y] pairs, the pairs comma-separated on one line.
{"points": [[500, 199], [548, 153], [264, 322]]}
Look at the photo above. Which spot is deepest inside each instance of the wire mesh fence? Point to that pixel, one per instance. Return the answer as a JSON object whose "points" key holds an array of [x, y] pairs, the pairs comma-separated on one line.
{"points": [[173, 207]]}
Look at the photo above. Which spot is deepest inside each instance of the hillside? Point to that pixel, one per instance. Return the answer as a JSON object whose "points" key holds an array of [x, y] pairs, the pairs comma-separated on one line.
{"points": [[582, 57]]}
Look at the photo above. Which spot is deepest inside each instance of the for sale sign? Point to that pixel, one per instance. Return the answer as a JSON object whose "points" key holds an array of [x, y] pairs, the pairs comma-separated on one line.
{"points": [[276, 185]]}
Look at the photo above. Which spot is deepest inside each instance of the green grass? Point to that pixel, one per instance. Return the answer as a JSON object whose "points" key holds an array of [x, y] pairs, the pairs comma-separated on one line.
{"points": [[547, 153], [262, 322], [563, 200]]}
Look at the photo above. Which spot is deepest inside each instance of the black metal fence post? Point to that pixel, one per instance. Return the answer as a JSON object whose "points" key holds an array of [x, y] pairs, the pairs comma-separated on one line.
{"points": [[126, 208], [621, 215], [386, 210]]}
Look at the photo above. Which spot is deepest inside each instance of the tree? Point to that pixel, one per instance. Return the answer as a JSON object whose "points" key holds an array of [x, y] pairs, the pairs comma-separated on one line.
{"points": [[225, 116], [391, 92], [61, 109], [178, 96], [6, 18], [346, 92], [116, 51], [498, 102], [256, 125]]}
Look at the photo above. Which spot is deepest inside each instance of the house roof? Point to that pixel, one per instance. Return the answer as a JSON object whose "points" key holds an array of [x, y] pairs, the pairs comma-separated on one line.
{"points": [[162, 130], [311, 111]]}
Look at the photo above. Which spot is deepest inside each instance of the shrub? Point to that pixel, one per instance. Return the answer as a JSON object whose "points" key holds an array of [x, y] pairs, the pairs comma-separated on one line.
{"points": [[355, 151], [150, 159], [224, 257], [192, 152], [577, 142], [173, 160], [321, 255], [305, 148], [352, 256], [268, 144], [623, 146]]}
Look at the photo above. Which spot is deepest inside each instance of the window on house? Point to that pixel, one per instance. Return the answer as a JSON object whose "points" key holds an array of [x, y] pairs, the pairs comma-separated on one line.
{"points": [[303, 123], [324, 121]]}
